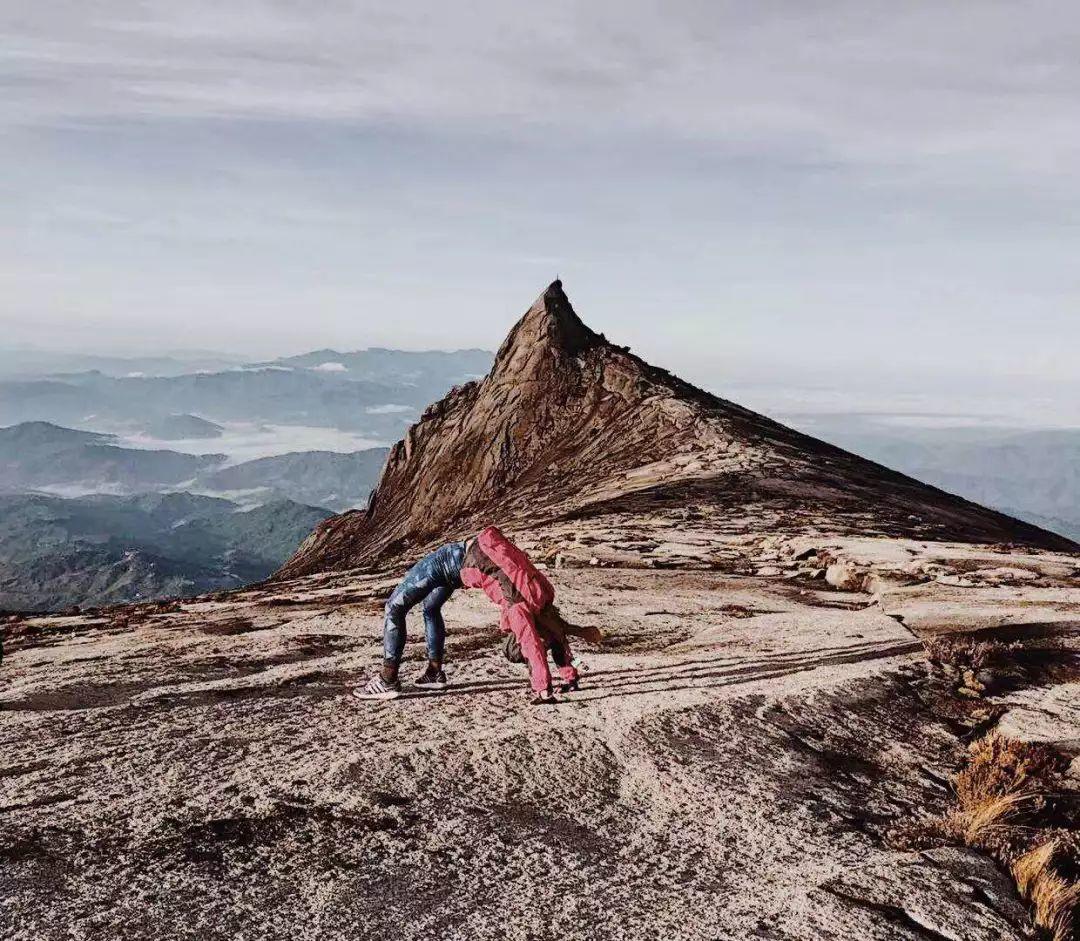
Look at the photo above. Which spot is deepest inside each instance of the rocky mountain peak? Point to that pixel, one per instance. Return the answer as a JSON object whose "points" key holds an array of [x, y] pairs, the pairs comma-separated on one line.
{"points": [[567, 425], [549, 330]]}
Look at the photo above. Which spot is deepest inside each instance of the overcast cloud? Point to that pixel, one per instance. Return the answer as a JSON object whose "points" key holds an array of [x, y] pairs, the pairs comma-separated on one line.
{"points": [[865, 187]]}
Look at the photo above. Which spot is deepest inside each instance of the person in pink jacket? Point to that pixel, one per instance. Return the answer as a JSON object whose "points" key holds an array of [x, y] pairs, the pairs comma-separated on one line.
{"points": [[525, 597]]}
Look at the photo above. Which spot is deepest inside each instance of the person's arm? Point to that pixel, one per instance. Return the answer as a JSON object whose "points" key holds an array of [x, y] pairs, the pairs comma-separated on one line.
{"points": [[519, 621]]}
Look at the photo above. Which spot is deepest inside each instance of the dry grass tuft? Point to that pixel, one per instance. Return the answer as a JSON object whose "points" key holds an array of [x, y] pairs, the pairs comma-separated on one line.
{"points": [[966, 653], [1000, 767], [1046, 876], [1009, 800], [973, 667], [991, 824]]}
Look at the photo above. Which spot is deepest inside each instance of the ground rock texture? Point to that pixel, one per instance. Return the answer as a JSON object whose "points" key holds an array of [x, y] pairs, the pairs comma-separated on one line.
{"points": [[739, 750]]}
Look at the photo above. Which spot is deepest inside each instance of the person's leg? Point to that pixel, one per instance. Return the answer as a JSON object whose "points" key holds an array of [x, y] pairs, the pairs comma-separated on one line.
{"points": [[433, 676], [417, 584], [434, 625]]}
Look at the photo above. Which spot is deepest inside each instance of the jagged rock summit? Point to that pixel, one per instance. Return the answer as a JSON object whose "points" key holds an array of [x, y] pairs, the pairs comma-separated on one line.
{"points": [[568, 424]]}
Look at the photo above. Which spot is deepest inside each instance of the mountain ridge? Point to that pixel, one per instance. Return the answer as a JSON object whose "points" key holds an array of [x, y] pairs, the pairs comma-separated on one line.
{"points": [[566, 420]]}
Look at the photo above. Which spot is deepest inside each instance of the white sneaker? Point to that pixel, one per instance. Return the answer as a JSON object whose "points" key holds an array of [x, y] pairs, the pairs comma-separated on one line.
{"points": [[378, 688]]}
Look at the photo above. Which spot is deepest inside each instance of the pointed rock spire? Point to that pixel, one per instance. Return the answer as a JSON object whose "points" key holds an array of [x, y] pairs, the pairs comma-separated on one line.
{"points": [[550, 329]]}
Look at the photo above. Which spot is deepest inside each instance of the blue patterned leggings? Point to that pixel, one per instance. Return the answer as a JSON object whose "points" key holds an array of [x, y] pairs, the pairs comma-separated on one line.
{"points": [[431, 580]]}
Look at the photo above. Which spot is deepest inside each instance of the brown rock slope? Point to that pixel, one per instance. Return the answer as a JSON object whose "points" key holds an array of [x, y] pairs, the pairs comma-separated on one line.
{"points": [[569, 425]]}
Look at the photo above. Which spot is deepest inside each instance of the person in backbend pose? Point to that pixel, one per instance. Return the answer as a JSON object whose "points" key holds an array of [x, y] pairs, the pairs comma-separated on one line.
{"points": [[491, 562]]}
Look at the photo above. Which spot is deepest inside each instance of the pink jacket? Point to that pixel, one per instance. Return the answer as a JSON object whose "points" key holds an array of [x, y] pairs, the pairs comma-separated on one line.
{"points": [[494, 564]]}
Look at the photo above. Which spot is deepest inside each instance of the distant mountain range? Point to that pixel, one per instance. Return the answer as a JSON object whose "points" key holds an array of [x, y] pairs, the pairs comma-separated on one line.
{"points": [[97, 550], [378, 392], [87, 520], [396, 366], [324, 478], [34, 364], [183, 427], [38, 456], [60, 406], [1034, 475]]}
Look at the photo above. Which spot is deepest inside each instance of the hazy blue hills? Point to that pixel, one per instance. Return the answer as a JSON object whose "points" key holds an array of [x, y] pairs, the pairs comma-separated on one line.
{"points": [[95, 550], [40, 455], [62, 542], [417, 367], [300, 397], [183, 427], [99, 549], [1033, 475], [377, 392], [324, 478], [30, 363], [40, 438]]}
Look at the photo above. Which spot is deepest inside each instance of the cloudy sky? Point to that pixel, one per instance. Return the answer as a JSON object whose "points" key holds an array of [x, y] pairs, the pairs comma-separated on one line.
{"points": [[735, 189]]}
